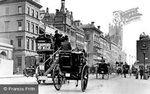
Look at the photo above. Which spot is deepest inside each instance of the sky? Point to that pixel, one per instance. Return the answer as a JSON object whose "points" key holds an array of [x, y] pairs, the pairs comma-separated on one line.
{"points": [[101, 12]]}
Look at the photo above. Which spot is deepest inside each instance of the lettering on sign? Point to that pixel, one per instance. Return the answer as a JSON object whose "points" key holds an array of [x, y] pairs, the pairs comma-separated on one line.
{"points": [[126, 16]]}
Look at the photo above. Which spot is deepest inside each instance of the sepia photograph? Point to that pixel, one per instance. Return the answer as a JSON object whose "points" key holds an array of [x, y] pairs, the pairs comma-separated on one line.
{"points": [[74, 47]]}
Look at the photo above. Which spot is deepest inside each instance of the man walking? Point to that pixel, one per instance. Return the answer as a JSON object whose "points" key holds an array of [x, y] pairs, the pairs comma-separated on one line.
{"points": [[141, 71]]}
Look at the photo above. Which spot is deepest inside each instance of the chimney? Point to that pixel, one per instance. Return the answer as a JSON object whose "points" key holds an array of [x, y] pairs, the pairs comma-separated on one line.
{"points": [[92, 23], [99, 27], [57, 10], [71, 13], [62, 9], [47, 10]]}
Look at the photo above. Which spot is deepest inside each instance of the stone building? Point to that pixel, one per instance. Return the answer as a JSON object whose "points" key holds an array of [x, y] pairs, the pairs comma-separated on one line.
{"points": [[93, 39], [63, 20], [20, 24], [79, 35], [116, 34], [99, 46]]}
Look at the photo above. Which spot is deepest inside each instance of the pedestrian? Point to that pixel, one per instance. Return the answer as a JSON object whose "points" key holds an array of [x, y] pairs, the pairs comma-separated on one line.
{"points": [[125, 69], [141, 73], [136, 73]]}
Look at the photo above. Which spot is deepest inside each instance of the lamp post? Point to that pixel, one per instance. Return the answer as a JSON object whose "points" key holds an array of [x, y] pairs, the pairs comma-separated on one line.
{"points": [[144, 48], [144, 77]]}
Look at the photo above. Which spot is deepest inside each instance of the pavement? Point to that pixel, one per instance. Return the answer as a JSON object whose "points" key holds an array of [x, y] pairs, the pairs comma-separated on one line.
{"points": [[11, 76], [21, 75]]}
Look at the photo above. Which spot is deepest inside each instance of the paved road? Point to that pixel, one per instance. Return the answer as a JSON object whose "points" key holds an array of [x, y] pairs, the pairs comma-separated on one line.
{"points": [[114, 85]]}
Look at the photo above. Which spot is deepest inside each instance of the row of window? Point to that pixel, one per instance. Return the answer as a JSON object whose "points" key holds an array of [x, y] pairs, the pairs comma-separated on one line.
{"points": [[34, 27], [30, 43], [81, 39], [19, 25], [72, 33], [7, 10], [97, 38], [30, 11]]}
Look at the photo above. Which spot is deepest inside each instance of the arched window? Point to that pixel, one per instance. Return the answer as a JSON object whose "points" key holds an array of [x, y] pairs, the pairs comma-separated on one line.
{"points": [[3, 53]]}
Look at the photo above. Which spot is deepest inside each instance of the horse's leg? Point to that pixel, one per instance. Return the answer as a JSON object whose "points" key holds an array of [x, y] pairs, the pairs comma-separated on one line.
{"points": [[102, 76], [77, 84]]}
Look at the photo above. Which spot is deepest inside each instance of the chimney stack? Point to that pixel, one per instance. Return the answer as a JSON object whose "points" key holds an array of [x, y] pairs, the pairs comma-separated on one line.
{"points": [[92, 23], [57, 10], [99, 27], [47, 10], [62, 9]]}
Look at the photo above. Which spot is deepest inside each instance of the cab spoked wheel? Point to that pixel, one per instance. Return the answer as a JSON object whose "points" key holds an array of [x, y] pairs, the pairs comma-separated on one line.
{"points": [[57, 77], [84, 78]]}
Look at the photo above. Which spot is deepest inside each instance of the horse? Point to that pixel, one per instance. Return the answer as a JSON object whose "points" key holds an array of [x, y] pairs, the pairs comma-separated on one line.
{"points": [[119, 71]]}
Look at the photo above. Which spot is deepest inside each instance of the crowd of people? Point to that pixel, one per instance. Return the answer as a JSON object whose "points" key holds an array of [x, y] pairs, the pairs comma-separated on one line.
{"points": [[140, 72]]}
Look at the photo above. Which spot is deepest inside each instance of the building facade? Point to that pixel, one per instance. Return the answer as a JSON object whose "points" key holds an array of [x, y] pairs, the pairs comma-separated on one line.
{"points": [[63, 20], [143, 51], [94, 47], [116, 33], [79, 35], [20, 24], [99, 46]]}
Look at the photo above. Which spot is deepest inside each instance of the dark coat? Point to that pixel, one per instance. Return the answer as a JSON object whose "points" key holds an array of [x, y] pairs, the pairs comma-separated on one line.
{"points": [[57, 41], [141, 71], [125, 68]]}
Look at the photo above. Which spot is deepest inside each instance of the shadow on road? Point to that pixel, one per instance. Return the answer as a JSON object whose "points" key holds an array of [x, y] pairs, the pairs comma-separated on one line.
{"points": [[65, 91], [46, 84]]}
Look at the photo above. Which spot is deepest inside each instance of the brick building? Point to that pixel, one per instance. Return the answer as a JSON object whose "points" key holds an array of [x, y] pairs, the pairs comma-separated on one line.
{"points": [[143, 47]]}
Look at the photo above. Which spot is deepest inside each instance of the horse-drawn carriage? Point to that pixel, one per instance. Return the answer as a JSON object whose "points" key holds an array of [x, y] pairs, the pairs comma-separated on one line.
{"points": [[71, 65], [60, 65], [122, 68], [103, 69], [30, 66]]}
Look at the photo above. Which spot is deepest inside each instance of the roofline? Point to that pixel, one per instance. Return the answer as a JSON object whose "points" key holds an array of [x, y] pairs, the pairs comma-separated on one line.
{"points": [[15, 1], [93, 28]]}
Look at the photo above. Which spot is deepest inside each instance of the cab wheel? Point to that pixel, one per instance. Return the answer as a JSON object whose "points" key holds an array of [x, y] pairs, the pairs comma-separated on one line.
{"points": [[57, 78], [43, 81], [39, 81], [84, 78]]}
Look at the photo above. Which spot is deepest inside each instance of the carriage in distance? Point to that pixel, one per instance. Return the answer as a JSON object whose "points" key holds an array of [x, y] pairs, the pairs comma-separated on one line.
{"points": [[102, 69]]}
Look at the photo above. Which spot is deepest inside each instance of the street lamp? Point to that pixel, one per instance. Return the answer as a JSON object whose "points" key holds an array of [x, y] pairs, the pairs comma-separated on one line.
{"points": [[144, 48]]}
